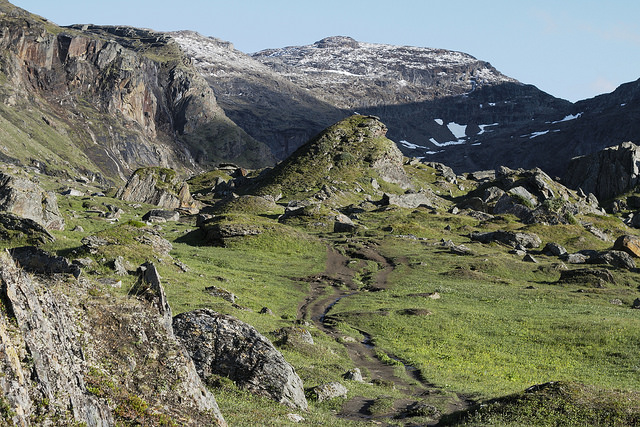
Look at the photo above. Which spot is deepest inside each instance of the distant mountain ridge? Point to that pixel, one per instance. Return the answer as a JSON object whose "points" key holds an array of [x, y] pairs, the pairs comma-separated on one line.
{"points": [[439, 105]]}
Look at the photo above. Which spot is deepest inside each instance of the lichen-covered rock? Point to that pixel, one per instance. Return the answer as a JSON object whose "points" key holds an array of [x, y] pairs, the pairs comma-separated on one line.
{"points": [[330, 391], [410, 200], [509, 238], [223, 345], [161, 187], [44, 331], [354, 375], [163, 214], [629, 244], [554, 249], [28, 200], [618, 259]]}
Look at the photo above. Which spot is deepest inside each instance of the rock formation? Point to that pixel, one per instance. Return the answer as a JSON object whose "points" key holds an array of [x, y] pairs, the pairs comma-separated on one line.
{"points": [[342, 156], [149, 288], [26, 199], [160, 187], [607, 173], [222, 345], [46, 332], [59, 366]]}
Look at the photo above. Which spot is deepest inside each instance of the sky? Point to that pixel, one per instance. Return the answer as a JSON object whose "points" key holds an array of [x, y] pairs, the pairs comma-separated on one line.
{"points": [[571, 49]]}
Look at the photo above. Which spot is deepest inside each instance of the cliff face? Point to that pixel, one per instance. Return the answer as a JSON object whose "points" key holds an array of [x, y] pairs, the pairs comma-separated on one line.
{"points": [[60, 364], [108, 99]]}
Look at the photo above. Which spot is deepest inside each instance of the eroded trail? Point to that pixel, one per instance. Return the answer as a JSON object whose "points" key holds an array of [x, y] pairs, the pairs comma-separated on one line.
{"points": [[336, 283]]}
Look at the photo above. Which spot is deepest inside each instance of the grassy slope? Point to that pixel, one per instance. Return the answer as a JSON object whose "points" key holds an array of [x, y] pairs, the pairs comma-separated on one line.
{"points": [[488, 335]]}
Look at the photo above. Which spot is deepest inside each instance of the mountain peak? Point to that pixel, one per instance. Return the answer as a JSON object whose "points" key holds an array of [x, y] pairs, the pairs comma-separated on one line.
{"points": [[337, 41]]}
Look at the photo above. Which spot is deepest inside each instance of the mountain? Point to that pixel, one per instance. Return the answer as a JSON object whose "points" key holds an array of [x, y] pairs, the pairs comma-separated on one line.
{"points": [[103, 101], [269, 106], [439, 105], [551, 141]]}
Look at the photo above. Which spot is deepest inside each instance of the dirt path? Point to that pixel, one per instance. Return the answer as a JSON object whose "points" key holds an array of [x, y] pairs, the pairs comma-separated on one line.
{"points": [[329, 288]]}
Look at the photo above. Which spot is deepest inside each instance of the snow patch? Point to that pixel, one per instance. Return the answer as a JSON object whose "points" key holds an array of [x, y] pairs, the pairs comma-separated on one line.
{"points": [[567, 118], [410, 145], [535, 134], [459, 131], [439, 121], [445, 144], [483, 128]]}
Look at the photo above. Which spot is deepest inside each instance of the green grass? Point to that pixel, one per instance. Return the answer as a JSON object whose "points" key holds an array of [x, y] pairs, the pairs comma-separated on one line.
{"points": [[500, 325], [553, 404], [488, 334]]}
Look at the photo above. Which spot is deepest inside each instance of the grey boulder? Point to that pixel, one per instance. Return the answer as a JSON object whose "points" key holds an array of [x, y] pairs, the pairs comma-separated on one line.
{"points": [[222, 345]]}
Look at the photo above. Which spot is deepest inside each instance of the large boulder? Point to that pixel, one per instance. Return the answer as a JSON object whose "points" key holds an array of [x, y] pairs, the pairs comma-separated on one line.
{"points": [[629, 244], [27, 199], [223, 345], [161, 187], [329, 391], [509, 238], [607, 173], [410, 200]]}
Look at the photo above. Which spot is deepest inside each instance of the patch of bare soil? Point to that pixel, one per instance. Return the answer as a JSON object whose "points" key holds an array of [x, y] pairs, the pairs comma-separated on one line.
{"points": [[330, 287]]}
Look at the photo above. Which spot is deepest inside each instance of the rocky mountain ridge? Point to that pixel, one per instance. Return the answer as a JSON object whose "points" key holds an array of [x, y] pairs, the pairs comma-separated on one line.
{"points": [[353, 75], [439, 105], [102, 101]]}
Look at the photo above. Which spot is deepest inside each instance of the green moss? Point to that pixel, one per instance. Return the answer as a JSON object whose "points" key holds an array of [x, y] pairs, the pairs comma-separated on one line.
{"points": [[552, 404], [205, 181], [341, 154]]}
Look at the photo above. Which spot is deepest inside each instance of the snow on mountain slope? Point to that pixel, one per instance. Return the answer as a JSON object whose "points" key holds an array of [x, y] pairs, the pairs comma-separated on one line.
{"points": [[267, 104], [352, 74]]}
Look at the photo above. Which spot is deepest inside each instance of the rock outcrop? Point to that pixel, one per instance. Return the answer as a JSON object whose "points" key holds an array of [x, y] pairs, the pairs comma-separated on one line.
{"points": [[530, 195], [161, 187], [223, 345], [509, 238], [27, 199], [607, 173], [47, 333], [336, 161], [59, 366]]}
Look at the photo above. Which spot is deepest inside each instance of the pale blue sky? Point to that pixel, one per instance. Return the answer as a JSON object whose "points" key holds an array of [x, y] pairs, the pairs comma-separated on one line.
{"points": [[572, 49]]}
